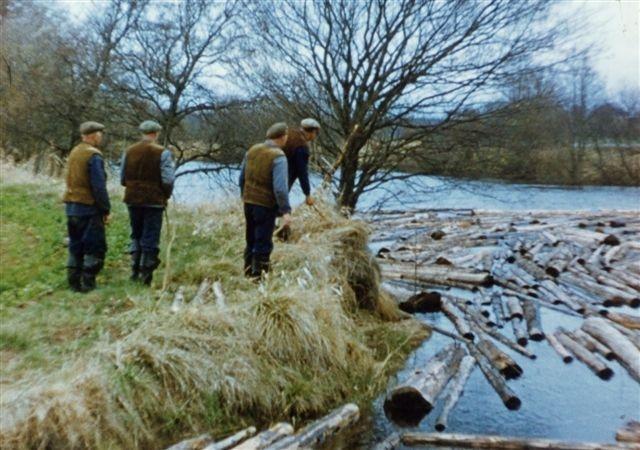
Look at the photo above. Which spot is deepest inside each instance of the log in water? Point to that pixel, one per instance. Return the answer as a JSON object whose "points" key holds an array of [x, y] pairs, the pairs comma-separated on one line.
{"points": [[456, 388], [559, 348], [532, 316], [580, 352], [507, 367], [508, 397]]}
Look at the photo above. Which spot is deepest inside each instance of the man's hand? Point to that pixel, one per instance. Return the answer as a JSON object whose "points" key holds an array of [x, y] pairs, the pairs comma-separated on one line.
{"points": [[309, 201], [106, 219], [286, 220]]}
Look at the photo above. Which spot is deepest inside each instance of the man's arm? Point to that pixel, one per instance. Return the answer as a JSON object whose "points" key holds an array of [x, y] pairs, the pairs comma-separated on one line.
{"points": [[123, 162], [167, 172], [241, 177], [280, 175], [98, 182]]}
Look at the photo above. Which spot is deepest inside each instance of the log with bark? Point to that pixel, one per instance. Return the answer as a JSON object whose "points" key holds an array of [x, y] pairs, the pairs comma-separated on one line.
{"points": [[318, 432], [559, 348], [520, 331], [580, 352], [626, 320], [501, 442], [456, 388], [411, 400], [507, 367], [508, 397], [389, 443], [458, 321], [422, 302], [592, 344], [437, 274], [266, 438], [514, 307], [626, 353], [532, 317]]}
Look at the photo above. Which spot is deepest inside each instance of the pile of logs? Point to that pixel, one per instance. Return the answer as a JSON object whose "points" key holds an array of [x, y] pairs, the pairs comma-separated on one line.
{"points": [[505, 267], [280, 436]]}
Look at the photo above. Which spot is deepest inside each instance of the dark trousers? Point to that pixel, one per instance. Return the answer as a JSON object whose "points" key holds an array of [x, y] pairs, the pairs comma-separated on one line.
{"points": [[146, 224], [87, 243], [261, 222]]}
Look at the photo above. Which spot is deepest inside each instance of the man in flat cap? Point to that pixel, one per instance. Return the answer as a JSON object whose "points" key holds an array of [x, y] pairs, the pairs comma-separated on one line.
{"points": [[265, 192], [297, 152], [87, 208], [147, 172]]}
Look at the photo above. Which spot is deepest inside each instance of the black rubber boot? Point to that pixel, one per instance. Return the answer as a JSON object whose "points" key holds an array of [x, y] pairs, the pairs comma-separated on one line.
{"points": [[74, 277], [247, 263], [92, 265], [135, 265], [148, 263], [259, 265]]}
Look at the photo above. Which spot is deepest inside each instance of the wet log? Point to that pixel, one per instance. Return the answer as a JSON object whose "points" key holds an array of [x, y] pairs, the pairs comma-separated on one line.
{"points": [[506, 341], [508, 397], [437, 274], [529, 266], [507, 367], [532, 317], [626, 353], [627, 277], [390, 443], [413, 399], [611, 295], [233, 440], [592, 344], [612, 279], [459, 322], [316, 433], [562, 296], [266, 438], [584, 355], [629, 433], [196, 443], [543, 301], [422, 302], [498, 308], [626, 320], [559, 348], [455, 390], [514, 308], [632, 335], [519, 331], [500, 442]]}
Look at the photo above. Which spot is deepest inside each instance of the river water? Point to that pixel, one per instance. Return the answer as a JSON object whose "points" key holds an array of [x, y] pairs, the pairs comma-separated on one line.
{"points": [[559, 401]]}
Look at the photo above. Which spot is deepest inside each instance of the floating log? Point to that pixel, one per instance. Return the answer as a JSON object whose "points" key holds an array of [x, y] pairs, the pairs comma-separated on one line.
{"points": [[611, 295], [498, 308], [411, 400], [423, 302], [316, 433], [509, 398], [584, 355], [459, 322], [196, 443], [514, 308], [390, 443], [444, 332], [626, 353], [531, 267], [232, 440], [592, 344], [562, 296], [520, 331], [626, 320], [507, 367], [500, 442], [266, 438], [455, 390], [559, 348], [629, 433], [437, 274], [506, 341], [632, 335], [532, 317]]}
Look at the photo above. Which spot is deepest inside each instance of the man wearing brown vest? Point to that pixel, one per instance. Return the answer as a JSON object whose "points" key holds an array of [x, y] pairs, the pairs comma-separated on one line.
{"points": [[87, 208], [265, 192], [148, 173], [297, 151]]}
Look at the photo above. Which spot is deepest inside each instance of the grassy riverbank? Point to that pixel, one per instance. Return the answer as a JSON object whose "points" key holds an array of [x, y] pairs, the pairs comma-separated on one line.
{"points": [[116, 368]]}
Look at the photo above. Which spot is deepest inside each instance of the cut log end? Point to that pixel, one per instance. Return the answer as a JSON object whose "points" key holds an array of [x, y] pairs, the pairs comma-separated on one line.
{"points": [[605, 374], [611, 240], [567, 359], [440, 427], [513, 403], [634, 303], [407, 408], [523, 341], [536, 336]]}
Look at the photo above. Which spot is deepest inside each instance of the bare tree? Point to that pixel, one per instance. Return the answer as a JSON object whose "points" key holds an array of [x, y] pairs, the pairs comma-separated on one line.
{"points": [[382, 75]]}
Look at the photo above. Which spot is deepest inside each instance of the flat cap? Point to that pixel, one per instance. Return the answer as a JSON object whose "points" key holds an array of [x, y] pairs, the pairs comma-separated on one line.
{"points": [[150, 126], [310, 124], [277, 130], [90, 127]]}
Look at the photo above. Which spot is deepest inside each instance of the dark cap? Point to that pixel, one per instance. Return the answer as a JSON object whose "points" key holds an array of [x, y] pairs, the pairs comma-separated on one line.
{"points": [[277, 130], [90, 127]]}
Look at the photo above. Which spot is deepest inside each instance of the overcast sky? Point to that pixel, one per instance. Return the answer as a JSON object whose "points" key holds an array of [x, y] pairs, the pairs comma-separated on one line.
{"points": [[612, 25]]}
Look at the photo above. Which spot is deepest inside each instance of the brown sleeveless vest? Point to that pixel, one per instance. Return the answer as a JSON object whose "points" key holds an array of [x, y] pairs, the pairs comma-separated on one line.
{"points": [[258, 175], [143, 180], [78, 181]]}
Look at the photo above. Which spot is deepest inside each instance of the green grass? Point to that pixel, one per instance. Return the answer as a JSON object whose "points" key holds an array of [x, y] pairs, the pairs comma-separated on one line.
{"points": [[116, 369]]}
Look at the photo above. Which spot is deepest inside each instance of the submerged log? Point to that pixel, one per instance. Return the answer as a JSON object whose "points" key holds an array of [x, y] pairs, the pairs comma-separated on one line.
{"points": [[626, 353], [316, 433], [500, 442], [459, 322], [422, 302], [559, 348], [413, 399], [532, 316], [232, 440], [629, 433], [455, 390], [584, 355], [266, 438], [507, 367], [509, 398]]}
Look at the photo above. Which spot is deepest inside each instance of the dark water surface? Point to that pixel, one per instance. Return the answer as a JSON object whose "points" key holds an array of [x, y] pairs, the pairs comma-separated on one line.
{"points": [[559, 401]]}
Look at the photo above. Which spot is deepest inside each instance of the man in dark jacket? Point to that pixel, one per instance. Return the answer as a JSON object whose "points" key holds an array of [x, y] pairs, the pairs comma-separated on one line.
{"points": [[265, 192], [297, 151], [147, 172], [87, 208]]}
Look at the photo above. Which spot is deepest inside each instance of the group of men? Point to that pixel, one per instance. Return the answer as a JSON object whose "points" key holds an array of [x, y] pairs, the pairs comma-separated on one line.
{"points": [[147, 172]]}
